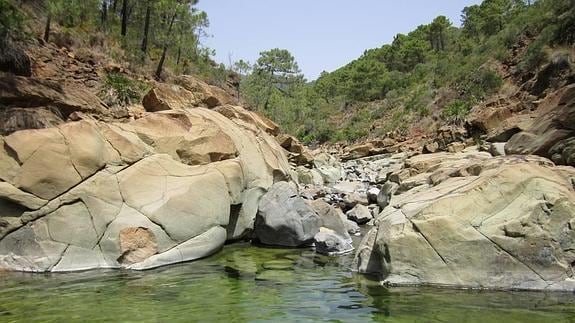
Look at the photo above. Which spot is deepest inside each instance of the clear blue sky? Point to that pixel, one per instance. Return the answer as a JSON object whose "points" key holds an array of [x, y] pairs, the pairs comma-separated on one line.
{"points": [[321, 34]]}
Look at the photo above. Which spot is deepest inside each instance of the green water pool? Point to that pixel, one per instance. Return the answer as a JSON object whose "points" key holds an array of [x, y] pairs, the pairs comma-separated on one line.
{"points": [[249, 283]]}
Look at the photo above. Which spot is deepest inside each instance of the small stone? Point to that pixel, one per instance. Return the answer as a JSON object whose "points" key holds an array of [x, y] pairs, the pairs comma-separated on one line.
{"points": [[328, 242], [372, 194], [360, 214], [431, 147]]}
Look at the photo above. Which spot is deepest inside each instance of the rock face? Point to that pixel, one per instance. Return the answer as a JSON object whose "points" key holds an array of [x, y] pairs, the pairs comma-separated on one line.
{"points": [[375, 147], [31, 103], [505, 222], [298, 153], [553, 123], [285, 219], [168, 187]]}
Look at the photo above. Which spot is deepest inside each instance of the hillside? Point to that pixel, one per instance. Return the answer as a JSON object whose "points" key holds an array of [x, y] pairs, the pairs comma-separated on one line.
{"points": [[431, 77], [115, 50]]}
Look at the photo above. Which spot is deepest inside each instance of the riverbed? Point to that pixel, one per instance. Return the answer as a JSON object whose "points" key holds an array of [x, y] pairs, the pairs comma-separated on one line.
{"points": [[250, 283]]}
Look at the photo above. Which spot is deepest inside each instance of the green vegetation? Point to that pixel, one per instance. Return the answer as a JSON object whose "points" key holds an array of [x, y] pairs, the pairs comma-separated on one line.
{"points": [[434, 74], [399, 84], [10, 20], [12, 56], [119, 89], [155, 37], [456, 110]]}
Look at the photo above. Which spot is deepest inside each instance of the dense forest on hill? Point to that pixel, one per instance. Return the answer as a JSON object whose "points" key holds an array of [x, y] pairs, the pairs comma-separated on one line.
{"points": [[156, 38], [434, 74]]}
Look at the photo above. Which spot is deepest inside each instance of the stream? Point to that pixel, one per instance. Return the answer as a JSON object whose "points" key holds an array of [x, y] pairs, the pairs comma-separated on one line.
{"points": [[244, 282]]}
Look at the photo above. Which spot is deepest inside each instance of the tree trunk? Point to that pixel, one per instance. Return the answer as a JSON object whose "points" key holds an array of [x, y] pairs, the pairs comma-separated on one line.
{"points": [[441, 40], [104, 14], [166, 45], [115, 6], [124, 17], [47, 29], [268, 95], [158, 75], [146, 29]]}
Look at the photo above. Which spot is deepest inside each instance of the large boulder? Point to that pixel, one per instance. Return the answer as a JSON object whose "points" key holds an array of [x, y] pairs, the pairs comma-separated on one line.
{"points": [[360, 214], [308, 176], [285, 219], [505, 222], [211, 96], [563, 152], [334, 237], [384, 196], [170, 97], [171, 186], [329, 167]]}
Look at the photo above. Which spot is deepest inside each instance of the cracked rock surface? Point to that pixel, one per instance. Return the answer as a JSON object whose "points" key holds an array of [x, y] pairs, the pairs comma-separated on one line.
{"points": [[168, 187], [469, 220]]}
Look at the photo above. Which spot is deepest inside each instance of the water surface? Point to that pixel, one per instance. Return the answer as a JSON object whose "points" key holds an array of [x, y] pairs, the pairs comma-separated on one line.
{"points": [[249, 283]]}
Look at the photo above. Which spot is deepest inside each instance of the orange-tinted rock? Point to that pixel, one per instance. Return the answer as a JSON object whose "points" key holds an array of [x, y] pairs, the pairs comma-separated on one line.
{"points": [[137, 244]]}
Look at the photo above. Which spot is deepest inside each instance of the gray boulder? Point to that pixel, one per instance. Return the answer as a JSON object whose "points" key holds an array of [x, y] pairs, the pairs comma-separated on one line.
{"points": [[284, 218], [331, 219], [328, 242], [497, 148], [384, 196], [352, 227]]}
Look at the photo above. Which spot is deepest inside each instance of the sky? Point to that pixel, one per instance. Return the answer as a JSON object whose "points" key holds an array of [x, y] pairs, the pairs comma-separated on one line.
{"points": [[323, 35]]}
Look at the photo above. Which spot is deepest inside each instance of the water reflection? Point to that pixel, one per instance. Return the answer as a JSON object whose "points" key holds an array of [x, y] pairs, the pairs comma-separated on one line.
{"points": [[248, 283]]}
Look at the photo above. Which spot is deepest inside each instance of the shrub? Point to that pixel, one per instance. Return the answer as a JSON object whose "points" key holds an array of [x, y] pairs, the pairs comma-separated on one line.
{"points": [[456, 110], [478, 85], [119, 89], [11, 20]]}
